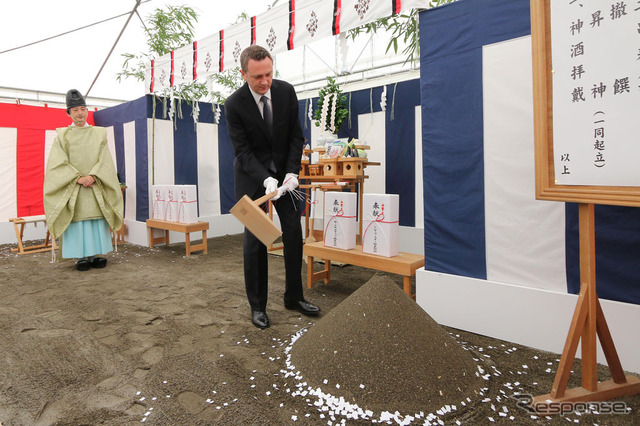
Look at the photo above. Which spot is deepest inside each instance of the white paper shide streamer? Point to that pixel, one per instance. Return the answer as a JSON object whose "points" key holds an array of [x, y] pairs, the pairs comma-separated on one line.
{"points": [[332, 123], [323, 115], [383, 98]]}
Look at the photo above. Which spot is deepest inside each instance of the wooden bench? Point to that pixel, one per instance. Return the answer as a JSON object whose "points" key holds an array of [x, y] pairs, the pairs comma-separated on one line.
{"points": [[19, 223], [185, 228], [404, 264]]}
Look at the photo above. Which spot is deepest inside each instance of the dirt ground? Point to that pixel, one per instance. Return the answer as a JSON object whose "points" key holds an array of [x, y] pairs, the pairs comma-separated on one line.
{"points": [[163, 339]]}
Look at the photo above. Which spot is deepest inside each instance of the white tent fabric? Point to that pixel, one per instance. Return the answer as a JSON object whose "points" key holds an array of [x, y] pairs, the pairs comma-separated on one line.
{"points": [[313, 21], [289, 26], [271, 31], [235, 40], [208, 54], [357, 12], [183, 65], [161, 73]]}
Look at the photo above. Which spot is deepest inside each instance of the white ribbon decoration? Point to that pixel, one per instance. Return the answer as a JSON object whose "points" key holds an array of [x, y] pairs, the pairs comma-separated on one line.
{"points": [[323, 115], [332, 123], [171, 107], [216, 114], [383, 98], [195, 113]]}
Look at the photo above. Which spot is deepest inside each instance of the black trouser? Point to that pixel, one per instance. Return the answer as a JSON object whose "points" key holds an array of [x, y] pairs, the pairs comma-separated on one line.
{"points": [[256, 269]]}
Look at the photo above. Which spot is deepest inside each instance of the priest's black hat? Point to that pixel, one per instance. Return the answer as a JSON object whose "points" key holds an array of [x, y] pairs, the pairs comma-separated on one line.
{"points": [[75, 99]]}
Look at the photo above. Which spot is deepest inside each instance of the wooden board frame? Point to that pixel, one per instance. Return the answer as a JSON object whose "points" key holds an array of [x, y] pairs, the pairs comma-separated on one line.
{"points": [[546, 188]]}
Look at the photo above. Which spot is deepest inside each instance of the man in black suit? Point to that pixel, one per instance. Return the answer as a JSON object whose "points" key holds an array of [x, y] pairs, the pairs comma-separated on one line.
{"points": [[263, 124]]}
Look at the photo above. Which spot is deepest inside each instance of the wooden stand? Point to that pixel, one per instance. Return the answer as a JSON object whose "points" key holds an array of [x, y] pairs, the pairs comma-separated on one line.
{"points": [[588, 320], [185, 228], [404, 264], [118, 236], [353, 182], [19, 223]]}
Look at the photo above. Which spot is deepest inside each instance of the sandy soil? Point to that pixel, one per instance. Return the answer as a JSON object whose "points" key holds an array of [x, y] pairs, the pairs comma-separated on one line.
{"points": [[163, 339]]}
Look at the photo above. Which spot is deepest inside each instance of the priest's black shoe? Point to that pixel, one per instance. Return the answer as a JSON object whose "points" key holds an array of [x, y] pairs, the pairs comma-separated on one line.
{"points": [[303, 307], [83, 265], [260, 319], [99, 262]]}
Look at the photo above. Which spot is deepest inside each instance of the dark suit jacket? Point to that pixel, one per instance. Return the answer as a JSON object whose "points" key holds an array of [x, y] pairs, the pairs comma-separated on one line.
{"points": [[255, 148]]}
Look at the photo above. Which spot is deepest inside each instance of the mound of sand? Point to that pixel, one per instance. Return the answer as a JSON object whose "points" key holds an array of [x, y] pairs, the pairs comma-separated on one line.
{"points": [[378, 349]]}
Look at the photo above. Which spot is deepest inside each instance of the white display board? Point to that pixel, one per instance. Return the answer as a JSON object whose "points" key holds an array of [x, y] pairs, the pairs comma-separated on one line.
{"points": [[595, 50]]}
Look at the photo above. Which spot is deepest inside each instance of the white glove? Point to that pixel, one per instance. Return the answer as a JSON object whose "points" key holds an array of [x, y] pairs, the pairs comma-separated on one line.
{"points": [[290, 182], [270, 185]]}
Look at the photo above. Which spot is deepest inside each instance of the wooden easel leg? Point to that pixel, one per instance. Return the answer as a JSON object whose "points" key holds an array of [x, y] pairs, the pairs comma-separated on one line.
{"points": [[588, 280], [609, 349], [571, 345], [583, 324], [587, 323]]}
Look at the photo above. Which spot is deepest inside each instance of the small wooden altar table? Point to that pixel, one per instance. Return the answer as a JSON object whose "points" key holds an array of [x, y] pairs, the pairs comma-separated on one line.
{"points": [[404, 264]]}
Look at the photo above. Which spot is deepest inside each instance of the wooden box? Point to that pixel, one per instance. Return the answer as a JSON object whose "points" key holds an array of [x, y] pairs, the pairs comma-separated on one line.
{"points": [[315, 169], [352, 166], [331, 166]]}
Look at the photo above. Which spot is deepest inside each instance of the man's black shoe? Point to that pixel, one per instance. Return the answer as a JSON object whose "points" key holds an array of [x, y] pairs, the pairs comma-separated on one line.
{"points": [[99, 262], [303, 307], [83, 265], [260, 319]]}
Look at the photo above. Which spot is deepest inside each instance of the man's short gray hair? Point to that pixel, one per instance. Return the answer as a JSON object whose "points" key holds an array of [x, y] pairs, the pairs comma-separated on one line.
{"points": [[255, 52]]}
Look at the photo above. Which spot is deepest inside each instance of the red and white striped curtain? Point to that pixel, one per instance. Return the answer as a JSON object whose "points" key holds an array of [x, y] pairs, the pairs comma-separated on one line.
{"points": [[26, 135]]}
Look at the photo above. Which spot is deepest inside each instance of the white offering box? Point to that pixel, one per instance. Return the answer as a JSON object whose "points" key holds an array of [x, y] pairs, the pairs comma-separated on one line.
{"points": [[158, 201], [171, 204], [187, 203], [380, 226], [340, 225]]}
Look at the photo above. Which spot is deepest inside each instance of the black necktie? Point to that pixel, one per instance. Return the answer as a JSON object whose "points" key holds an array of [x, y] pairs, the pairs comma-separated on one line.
{"points": [[267, 113]]}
